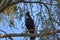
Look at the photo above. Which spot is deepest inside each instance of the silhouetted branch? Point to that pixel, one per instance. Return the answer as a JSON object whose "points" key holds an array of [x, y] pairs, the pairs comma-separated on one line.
{"points": [[31, 35], [3, 32], [19, 1], [10, 38]]}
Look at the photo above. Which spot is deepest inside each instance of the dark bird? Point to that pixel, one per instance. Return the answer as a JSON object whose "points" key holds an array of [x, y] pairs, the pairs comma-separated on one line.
{"points": [[29, 24]]}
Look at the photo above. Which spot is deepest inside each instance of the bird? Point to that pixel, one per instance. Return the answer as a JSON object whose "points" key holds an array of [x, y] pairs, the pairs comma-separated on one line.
{"points": [[29, 24]]}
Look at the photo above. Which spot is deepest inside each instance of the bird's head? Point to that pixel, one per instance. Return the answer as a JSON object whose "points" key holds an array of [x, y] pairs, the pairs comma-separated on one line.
{"points": [[27, 15]]}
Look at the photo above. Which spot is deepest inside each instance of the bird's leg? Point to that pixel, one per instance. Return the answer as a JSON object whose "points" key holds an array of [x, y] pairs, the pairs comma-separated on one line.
{"points": [[26, 31]]}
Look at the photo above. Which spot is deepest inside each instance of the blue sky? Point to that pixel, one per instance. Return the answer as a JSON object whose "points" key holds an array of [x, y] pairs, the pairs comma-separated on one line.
{"points": [[19, 25]]}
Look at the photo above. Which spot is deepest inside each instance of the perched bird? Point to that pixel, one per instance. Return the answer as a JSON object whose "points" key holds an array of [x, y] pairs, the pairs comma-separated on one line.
{"points": [[29, 24]]}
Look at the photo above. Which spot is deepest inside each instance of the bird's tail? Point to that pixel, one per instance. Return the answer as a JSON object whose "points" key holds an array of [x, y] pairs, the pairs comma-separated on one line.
{"points": [[32, 32]]}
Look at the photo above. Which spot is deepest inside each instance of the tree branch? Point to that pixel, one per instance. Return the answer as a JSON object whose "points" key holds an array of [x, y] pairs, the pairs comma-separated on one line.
{"points": [[10, 38], [31, 35], [19, 1]]}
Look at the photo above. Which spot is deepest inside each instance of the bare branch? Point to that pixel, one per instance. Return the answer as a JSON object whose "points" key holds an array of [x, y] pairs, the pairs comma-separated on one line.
{"points": [[10, 38], [19, 1], [3, 32], [31, 35]]}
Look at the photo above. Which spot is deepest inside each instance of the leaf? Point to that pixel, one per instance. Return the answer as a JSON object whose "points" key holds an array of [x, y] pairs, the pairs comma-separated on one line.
{"points": [[10, 10], [15, 8], [58, 3], [21, 15]]}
